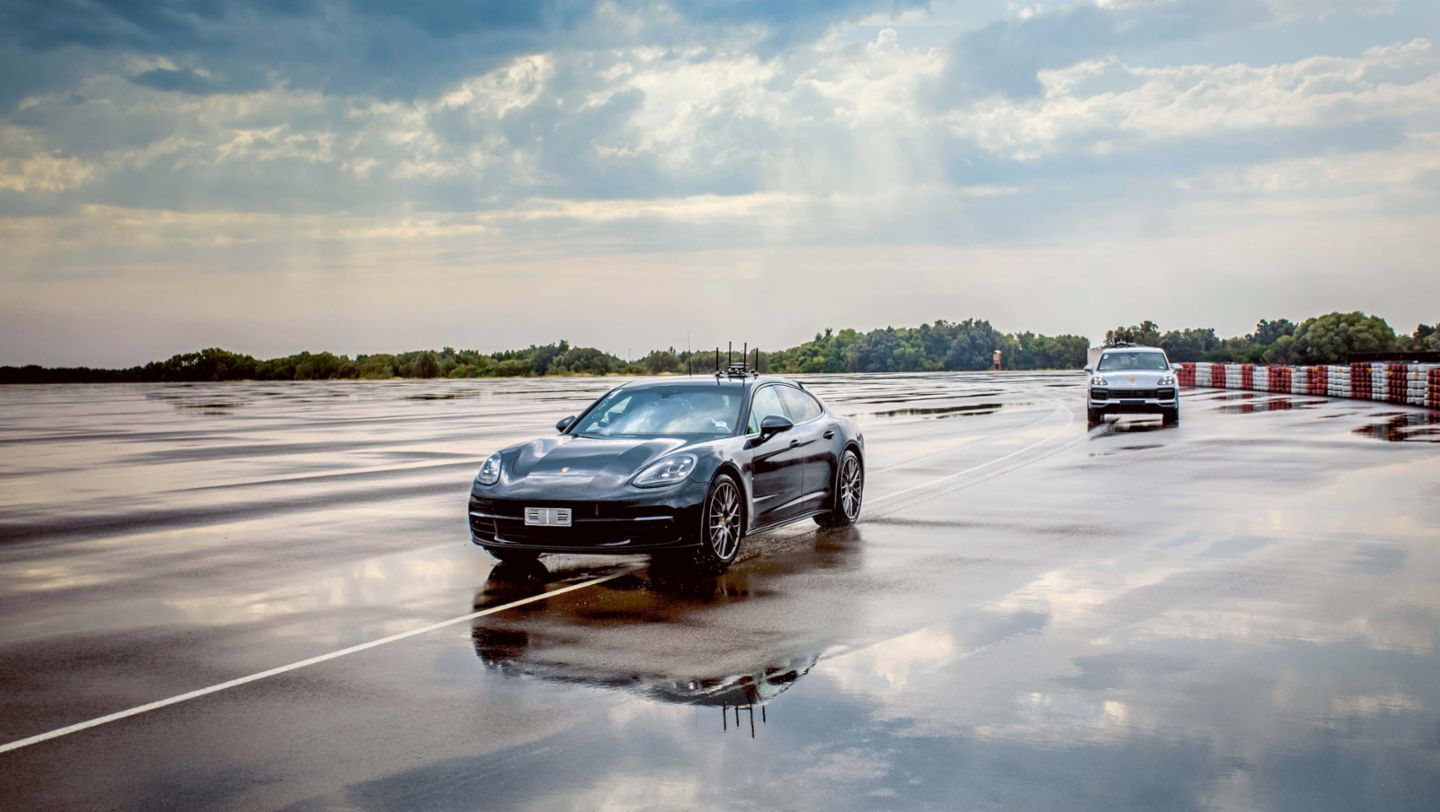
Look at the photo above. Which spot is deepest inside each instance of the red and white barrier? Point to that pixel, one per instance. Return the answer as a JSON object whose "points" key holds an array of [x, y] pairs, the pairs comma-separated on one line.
{"points": [[1413, 384]]}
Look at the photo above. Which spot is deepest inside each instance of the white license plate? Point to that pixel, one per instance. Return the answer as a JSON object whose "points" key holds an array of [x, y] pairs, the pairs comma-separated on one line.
{"points": [[547, 517]]}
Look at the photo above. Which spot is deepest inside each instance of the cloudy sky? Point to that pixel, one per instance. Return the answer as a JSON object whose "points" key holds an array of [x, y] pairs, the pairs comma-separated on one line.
{"points": [[362, 175]]}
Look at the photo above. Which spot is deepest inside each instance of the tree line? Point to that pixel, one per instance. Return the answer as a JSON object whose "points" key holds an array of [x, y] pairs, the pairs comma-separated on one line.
{"points": [[1327, 339], [943, 345]]}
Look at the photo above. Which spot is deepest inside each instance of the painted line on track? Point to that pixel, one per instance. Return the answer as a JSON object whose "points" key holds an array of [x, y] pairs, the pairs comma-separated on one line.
{"points": [[338, 653], [273, 672], [1069, 419]]}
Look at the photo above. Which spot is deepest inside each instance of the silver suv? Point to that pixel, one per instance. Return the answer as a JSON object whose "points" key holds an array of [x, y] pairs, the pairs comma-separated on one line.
{"points": [[1131, 380]]}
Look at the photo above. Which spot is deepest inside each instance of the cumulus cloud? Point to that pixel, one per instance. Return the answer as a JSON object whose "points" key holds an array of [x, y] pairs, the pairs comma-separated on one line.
{"points": [[296, 134]]}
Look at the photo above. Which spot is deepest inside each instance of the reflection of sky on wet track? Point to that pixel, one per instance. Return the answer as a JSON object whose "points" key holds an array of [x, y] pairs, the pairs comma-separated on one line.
{"points": [[1238, 612]]}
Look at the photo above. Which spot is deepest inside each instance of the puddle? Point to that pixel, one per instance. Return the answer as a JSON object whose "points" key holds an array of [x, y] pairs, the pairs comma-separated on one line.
{"points": [[1404, 427], [1273, 405], [941, 412], [530, 642]]}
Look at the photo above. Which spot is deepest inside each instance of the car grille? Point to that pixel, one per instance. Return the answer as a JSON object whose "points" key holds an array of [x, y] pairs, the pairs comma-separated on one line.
{"points": [[594, 524], [1133, 394]]}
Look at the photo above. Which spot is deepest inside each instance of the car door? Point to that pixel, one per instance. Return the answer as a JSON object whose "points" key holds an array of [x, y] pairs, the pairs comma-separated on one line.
{"points": [[777, 473], [811, 440]]}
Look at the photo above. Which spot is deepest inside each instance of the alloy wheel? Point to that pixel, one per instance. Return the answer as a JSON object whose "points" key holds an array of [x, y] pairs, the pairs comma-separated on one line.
{"points": [[725, 520], [852, 483]]}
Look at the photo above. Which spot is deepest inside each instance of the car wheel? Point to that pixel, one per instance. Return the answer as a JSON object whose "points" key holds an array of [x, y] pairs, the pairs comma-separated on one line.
{"points": [[849, 491], [1094, 417], [513, 556], [722, 524], [1170, 417]]}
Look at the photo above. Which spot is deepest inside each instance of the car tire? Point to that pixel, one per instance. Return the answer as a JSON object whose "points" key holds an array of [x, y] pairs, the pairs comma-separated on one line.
{"points": [[1170, 417], [513, 556], [848, 494], [1094, 417], [722, 526]]}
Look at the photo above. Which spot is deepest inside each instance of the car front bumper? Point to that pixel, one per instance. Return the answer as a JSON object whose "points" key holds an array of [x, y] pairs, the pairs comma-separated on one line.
{"points": [[641, 522], [1137, 401]]}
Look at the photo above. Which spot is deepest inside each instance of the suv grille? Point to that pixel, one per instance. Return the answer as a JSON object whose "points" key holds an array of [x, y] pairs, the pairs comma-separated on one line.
{"points": [[1132, 394]]}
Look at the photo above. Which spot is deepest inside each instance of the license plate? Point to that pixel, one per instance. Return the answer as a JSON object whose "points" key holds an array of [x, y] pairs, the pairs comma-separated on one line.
{"points": [[547, 517]]}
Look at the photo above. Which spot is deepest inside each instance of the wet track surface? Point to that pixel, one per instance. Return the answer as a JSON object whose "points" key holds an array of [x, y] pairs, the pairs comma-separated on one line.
{"points": [[1239, 612]]}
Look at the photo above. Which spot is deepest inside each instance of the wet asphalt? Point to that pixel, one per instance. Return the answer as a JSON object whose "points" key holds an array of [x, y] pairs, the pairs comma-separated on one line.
{"points": [[1239, 612]]}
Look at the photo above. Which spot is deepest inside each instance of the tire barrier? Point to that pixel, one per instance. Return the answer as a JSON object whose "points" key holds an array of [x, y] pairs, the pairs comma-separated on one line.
{"points": [[1412, 384]]}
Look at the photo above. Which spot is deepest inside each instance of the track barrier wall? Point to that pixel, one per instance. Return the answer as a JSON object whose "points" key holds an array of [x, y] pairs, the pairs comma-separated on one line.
{"points": [[1412, 384]]}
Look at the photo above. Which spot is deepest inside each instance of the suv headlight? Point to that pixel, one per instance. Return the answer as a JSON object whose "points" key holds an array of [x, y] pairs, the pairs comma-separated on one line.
{"points": [[489, 470], [1099, 381], [1168, 380], [667, 471]]}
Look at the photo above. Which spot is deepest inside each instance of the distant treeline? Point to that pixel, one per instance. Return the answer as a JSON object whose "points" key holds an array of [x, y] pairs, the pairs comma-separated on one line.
{"points": [[944, 345], [1327, 339]]}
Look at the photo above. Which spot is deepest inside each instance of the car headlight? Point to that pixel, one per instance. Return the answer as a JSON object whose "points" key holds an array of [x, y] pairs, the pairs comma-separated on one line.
{"points": [[489, 470], [1168, 380], [1099, 381], [667, 471]]}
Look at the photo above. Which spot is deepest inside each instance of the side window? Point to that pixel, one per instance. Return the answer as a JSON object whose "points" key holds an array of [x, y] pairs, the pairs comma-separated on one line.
{"points": [[766, 403], [801, 406]]}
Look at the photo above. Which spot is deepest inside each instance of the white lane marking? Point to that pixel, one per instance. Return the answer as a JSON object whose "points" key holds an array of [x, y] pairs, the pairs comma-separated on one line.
{"points": [[1069, 418], [963, 441], [333, 655]]}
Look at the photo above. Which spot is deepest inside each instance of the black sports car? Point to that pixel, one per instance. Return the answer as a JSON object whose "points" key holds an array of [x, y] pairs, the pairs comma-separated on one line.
{"points": [[687, 467]]}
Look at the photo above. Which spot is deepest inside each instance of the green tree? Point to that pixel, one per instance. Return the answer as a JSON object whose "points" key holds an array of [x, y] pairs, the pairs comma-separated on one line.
{"points": [[1268, 332], [1426, 338], [1145, 334], [1329, 339], [1284, 351], [1192, 344], [375, 366], [425, 364], [662, 361], [512, 367]]}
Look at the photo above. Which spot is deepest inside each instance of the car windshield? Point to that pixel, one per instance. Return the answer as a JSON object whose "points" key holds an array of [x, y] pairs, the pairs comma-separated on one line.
{"points": [[663, 411], [1126, 361]]}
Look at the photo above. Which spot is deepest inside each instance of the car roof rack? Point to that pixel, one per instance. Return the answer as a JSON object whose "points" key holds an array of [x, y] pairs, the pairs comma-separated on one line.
{"points": [[737, 369]]}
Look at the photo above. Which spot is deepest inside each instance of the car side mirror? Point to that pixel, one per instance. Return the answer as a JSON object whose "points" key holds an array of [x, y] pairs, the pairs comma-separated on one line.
{"points": [[1089, 369], [1175, 367], [564, 423], [773, 425]]}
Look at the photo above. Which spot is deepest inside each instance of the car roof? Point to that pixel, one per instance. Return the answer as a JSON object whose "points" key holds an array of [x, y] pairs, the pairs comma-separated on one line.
{"points": [[1133, 349]]}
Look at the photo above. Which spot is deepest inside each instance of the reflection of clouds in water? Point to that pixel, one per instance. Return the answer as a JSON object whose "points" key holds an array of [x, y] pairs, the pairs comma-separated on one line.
{"points": [[891, 663], [46, 577], [1393, 627], [1372, 704], [375, 582], [1066, 719], [1074, 596], [1224, 643]]}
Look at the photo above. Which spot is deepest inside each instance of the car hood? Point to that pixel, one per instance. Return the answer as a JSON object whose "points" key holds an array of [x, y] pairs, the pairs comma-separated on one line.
{"points": [[1135, 378], [568, 457]]}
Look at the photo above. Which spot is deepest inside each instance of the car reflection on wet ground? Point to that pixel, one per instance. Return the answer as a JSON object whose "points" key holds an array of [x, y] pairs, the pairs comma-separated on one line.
{"points": [[523, 644], [1240, 611]]}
